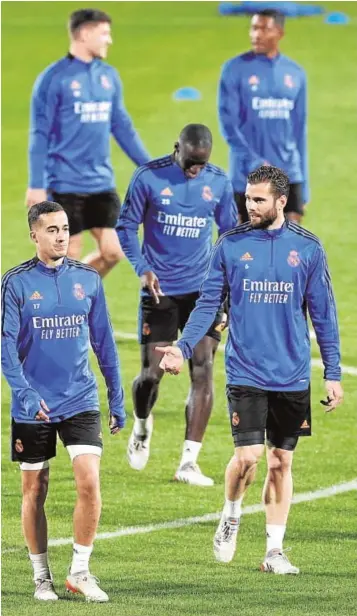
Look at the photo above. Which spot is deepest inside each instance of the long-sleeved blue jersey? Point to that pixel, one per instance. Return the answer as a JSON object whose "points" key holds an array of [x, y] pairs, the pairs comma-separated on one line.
{"points": [[273, 278], [49, 315], [262, 115], [75, 107], [177, 214]]}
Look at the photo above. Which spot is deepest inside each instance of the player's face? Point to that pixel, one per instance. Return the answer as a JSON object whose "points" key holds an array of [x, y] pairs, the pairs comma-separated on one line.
{"points": [[262, 206], [192, 160], [264, 34], [51, 236], [97, 39]]}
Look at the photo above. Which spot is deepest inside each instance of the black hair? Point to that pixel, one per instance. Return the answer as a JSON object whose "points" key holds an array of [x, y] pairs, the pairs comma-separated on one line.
{"points": [[87, 16], [45, 207], [278, 17], [277, 178], [197, 135]]}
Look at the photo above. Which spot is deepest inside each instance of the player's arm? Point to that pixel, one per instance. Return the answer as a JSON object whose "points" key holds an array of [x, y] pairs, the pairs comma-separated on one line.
{"points": [[103, 345], [10, 361], [322, 309], [123, 130], [44, 103], [300, 130], [229, 112], [225, 214]]}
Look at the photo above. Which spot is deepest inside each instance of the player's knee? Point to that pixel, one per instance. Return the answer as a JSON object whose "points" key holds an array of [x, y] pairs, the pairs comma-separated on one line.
{"points": [[279, 461], [88, 488], [35, 489], [248, 458], [150, 378], [202, 374], [112, 255]]}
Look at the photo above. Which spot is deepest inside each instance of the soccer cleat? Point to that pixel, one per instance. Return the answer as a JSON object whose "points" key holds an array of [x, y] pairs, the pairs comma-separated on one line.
{"points": [[225, 539], [87, 585], [45, 591], [139, 447], [276, 561], [192, 474]]}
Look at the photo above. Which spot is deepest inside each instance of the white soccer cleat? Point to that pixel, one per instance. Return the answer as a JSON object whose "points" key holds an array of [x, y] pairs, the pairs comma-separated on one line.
{"points": [[192, 474], [138, 451], [277, 562], [225, 539], [87, 585], [45, 591]]}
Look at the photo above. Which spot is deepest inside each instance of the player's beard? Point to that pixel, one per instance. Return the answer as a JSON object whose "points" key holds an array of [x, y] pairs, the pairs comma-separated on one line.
{"points": [[264, 221]]}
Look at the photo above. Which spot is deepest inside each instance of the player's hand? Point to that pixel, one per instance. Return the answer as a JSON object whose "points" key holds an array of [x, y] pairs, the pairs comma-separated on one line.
{"points": [[35, 195], [150, 281], [42, 414], [334, 395], [113, 424], [172, 360]]}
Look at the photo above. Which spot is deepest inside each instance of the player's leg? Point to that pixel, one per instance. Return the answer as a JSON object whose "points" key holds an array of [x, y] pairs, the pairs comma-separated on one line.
{"points": [[294, 209], [288, 412], [241, 207], [101, 214], [75, 246], [32, 446], [81, 435], [73, 205], [248, 407], [157, 327], [198, 410]]}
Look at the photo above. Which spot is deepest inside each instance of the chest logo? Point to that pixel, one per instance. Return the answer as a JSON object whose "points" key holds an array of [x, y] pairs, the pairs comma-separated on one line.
{"points": [[78, 291], [105, 82], [288, 81], [246, 257], [207, 193], [293, 258], [167, 192], [253, 82], [36, 295]]}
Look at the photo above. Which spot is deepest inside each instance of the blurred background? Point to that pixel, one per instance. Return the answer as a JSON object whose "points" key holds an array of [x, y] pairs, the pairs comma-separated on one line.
{"points": [[158, 48]]}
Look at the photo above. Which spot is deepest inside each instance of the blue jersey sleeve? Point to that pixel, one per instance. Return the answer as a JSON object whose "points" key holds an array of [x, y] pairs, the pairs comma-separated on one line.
{"points": [[322, 310], [10, 361], [229, 113], [103, 344], [213, 292], [131, 216], [44, 104], [123, 130], [299, 115], [226, 212]]}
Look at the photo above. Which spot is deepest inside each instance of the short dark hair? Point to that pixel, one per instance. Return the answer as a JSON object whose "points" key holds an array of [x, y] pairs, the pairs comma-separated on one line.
{"points": [[87, 16], [197, 135], [45, 207], [277, 178], [278, 17]]}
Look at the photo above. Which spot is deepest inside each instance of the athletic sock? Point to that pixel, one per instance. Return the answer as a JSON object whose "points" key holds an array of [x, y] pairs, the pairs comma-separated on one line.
{"points": [[190, 452], [275, 536], [233, 509], [80, 560], [41, 569]]}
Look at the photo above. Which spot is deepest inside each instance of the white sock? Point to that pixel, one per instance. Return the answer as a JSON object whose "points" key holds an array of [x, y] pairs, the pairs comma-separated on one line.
{"points": [[275, 536], [140, 426], [190, 452], [233, 509], [41, 569], [80, 560]]}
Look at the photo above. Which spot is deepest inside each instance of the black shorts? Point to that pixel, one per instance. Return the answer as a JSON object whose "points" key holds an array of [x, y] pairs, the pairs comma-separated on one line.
{"points": [[282, 415], [295, 202], [37, 442], [89, 211], [161, 322]]}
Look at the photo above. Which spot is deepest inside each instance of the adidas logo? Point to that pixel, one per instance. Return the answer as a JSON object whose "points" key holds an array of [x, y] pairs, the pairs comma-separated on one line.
{"points": [[36, 295], [304, 424], [246, 257], [167, 192]]}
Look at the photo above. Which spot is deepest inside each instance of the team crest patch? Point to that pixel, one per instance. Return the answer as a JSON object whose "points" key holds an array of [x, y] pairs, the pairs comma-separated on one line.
{"points": [[19, 446], [207, 193], [78, 291], [105, 82], [75, 85], [288, 81], [293, 258], [235, 419], [253, 82], [146, 329]]}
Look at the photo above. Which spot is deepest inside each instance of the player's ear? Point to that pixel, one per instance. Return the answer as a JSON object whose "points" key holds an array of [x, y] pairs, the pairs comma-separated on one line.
{"points": [[176, 146], [33, 236], [282, 201]]}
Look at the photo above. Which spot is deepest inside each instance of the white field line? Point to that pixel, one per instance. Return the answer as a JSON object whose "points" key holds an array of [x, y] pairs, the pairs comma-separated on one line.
{"points": [[303, 497], [316, 363]]}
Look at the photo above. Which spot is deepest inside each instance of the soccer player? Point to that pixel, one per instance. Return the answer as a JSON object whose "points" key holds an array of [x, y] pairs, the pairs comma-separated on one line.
{"points": [[176, 198], [262, 113], [273, 271], [77, 103], [51, 307]]}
